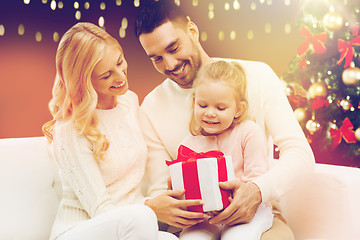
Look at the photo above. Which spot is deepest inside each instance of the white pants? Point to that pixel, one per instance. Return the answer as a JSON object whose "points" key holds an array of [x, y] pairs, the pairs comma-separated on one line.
{"points": [[253, 230], [133, 222]]}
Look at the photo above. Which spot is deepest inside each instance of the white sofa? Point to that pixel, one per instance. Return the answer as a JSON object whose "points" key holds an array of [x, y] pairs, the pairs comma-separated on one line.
{"points": [[326, 206]]}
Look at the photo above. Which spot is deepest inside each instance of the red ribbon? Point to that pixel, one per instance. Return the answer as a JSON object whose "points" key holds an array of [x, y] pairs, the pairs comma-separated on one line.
{"points": [[188, 158], [319, 102], [317, 41], [343, 132], [347, 50]]}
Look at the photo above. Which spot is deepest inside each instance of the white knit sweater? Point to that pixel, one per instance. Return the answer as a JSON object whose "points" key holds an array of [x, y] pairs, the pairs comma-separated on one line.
{"points": [[167, 110], [90, 187]]}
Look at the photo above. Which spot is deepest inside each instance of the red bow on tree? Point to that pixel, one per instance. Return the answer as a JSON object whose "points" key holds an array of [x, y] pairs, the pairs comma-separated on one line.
{"points": [[319, 102], [343, 132], [317, 41], [347, 50]]}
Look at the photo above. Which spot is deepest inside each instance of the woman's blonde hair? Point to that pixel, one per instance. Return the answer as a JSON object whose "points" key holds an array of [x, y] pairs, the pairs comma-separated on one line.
{"points": [[233, 74], [73, 95]]}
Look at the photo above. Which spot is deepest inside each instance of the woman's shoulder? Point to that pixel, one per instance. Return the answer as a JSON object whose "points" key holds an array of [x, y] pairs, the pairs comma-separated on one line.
{"points": [[129, 98]]}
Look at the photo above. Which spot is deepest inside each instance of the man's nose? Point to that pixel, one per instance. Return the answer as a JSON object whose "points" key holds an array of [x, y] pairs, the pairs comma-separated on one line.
{"points": [[170, 63]]}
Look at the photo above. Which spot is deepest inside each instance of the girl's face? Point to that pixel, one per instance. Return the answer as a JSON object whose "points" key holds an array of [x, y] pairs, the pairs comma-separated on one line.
{"points": [[109, 77], [215, 107]]}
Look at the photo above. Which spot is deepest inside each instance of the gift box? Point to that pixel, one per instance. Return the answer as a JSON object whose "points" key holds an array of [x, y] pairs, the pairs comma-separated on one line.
{"points": [[199, 174]]}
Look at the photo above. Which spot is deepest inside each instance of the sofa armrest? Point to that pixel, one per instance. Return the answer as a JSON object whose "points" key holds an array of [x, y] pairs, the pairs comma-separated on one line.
{"points": [[326, 205], [28, 202]]}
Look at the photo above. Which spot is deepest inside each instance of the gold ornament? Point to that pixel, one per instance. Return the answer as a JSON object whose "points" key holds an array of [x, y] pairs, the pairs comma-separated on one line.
{"points": [[312, 126], [357, 134], [345, 104], [351, 76], [318, 89], [333, 21], [300, 114]]}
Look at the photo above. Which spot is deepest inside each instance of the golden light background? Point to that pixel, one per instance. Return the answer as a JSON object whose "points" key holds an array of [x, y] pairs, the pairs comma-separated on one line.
{"points": [[261, 30]]}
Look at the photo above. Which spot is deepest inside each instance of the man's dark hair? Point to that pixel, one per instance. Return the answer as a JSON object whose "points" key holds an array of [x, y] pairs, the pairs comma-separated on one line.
{"points": [[154, 13]]}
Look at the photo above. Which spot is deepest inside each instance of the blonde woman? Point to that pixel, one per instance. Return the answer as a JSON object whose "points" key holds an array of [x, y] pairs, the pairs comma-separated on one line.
{"points": [[97, 142], [220, 121]]}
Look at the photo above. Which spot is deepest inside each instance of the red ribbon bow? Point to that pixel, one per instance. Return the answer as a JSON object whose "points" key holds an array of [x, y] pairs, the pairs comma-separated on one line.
{"points": [[317, 41], [185, 154], [343, 132], [347, 50]]}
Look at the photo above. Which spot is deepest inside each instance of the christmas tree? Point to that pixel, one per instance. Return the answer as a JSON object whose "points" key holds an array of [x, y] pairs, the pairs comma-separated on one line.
{"points": [[323, 81]]}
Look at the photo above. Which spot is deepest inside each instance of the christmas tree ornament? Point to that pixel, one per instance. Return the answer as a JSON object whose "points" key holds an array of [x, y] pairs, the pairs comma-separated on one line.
{"points": [[345, 104], [318, 89], [300, 114], [346, 48], [345, 131], [313, 126], [351, 75], [357, 134], [333, 21], [317, 42]]}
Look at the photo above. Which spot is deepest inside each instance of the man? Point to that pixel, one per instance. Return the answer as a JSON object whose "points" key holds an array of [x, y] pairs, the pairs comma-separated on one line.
{"points": [[171, 41]]}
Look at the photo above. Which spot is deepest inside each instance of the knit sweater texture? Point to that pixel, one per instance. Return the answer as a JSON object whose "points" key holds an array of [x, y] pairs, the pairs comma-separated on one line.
{"points": [[92, 187]]}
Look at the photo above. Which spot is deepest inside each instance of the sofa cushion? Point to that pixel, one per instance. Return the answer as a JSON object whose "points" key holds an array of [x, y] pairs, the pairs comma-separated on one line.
{"points": [[28, 201], [326, 205]]}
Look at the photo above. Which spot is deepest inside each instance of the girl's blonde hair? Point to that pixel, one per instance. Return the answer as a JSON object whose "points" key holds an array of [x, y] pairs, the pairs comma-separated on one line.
{"points": [[233, 74], [73, 95]]}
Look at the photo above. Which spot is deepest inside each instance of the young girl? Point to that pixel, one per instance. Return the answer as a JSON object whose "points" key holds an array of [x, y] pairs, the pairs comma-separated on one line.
{"points": [[220, 122], [97, 142]]}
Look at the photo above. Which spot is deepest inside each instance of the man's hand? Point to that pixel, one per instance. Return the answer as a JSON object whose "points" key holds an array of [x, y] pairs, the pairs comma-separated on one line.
{"points": [[243, 206], [169, 209]]}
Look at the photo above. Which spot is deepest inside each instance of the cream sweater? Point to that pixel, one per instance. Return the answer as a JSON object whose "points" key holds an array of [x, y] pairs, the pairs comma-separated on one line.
{"points": [[90, 187], [166, 114]]}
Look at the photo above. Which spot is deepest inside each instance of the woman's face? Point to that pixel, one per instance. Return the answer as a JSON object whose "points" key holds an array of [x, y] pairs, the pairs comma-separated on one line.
{"points": [[109, 77]]}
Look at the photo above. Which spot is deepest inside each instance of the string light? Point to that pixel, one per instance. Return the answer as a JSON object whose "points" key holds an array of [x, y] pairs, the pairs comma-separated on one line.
{"points": [[21, 29], [124, 23], [136, 3], [102, 6], [56, 37], [236, 5], [101, 21], [38, 36], [211, 14], [53, 5], [76, 5], [60, 5], [203, 36], [177, 2], [250, 35], [233, 35], [26, 1], [268, 2], [267, 28], [221, 35], [44, 1], [287, 28], [2, 30], [227, 6], [87, 5], [195, 3], [287, 2], [253, 6], [118, 2], [77, 15], [122, 32]]}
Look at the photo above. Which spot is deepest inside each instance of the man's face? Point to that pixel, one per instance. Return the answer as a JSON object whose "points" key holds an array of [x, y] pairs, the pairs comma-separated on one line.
{"points": [[174, 52]]}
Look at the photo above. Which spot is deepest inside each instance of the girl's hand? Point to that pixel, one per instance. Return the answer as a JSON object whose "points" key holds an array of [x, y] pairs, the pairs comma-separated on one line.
{"points": [[246, 200], [170, 209]]}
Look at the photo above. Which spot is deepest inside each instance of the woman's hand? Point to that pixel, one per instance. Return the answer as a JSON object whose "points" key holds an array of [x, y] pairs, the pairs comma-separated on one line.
{"points": [[243, 206], [171, 210]]}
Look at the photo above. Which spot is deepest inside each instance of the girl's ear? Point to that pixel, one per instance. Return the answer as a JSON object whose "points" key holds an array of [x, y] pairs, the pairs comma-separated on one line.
{"points": [[240, 109]]}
